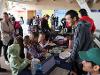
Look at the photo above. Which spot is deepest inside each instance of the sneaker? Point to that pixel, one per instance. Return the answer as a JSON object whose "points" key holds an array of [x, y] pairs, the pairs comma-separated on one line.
{"points": [[6, 62]]}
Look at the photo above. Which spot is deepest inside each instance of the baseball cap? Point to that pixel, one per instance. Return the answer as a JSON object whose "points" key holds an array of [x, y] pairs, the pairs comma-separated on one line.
{"points": [[92, 54]]}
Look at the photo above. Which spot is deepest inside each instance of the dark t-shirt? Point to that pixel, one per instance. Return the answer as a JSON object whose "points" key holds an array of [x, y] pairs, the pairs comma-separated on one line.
{"points": [[44, 24]]}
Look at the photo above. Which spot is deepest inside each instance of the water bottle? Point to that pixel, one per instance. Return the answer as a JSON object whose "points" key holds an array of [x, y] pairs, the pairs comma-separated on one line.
{"points": [[34, 65], [39, 66]]}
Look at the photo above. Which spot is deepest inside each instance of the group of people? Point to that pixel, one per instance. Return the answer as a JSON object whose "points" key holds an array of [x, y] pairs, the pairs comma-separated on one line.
{"points": [[20, 52], [82, 40], [24, 50], [10, 28]]}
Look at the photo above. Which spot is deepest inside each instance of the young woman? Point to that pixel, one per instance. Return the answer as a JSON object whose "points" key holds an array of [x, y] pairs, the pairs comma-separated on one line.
{"points": [[17, 64]]}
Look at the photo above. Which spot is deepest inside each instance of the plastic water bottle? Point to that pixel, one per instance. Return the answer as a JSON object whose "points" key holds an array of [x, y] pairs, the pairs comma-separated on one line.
{"points": [[39, 66], [34, 65]]}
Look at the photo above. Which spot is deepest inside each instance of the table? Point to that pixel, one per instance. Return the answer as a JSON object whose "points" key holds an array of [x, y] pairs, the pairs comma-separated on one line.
{"points": [[44, 67]]}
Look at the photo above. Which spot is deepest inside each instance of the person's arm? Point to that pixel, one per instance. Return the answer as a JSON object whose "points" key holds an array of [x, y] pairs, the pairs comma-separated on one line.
{"points": [[24, 64], [9, 50], [25, 52], [93, 28], [18, 65], [4, 29]]}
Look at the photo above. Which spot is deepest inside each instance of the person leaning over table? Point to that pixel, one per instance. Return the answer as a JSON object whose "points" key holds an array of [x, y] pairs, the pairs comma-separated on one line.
{"points": [[82, 39]]}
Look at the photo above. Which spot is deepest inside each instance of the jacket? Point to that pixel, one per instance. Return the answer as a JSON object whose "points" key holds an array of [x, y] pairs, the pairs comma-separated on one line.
{"points": [[82, 40], [16, 63]]}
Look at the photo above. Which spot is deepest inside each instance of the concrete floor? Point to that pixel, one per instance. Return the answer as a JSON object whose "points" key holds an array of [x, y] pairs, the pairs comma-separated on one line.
{"points": [[56, 71]]}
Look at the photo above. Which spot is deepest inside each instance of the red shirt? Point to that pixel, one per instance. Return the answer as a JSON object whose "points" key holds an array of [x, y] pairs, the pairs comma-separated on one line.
{"points": [[88, 19], [16, 24]]}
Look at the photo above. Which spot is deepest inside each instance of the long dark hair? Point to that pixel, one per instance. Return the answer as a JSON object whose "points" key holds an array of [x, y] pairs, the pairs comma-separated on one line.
{"points": [[19, 40]]}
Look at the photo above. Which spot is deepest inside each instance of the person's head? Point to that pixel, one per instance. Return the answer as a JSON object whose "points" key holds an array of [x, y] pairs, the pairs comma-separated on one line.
{"points": [[13, 19], [52, 15], [47, 17], [37, 16], [34, 37], [21, 17], [83, 12], [91, 60], [18, 40], [5, 16], [33, 17], [42, 37], [71, 17], [26, 40]]}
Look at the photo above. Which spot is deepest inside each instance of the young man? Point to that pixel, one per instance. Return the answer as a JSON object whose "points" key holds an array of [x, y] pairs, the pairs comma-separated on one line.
{"points": [[91, 61], [82, 39], [85, 17]]}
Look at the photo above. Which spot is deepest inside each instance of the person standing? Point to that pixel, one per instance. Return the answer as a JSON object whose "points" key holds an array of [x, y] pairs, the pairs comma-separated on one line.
{"points": [[7, 33], [44, 23], [17, 27], [85, 17], [82, 38], [1, 45]]}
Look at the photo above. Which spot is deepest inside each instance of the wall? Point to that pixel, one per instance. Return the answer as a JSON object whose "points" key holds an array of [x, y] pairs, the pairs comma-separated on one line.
{"points": [[96, 17], [30, 14], [96, 5]]}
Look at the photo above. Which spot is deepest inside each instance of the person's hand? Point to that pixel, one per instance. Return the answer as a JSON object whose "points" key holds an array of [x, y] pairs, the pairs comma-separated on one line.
{"points": [[73, 73], [29, 56]]}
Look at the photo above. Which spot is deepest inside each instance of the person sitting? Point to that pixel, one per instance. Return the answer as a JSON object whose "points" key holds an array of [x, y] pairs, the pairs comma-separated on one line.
{"points": [[27, 44], [43, 40], [91, 61], [35, 49], [17, 64]]}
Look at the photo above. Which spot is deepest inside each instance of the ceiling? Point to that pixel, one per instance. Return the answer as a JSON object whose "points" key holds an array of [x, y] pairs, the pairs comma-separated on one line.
{"points": [[54, 4], [50, 4]]}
